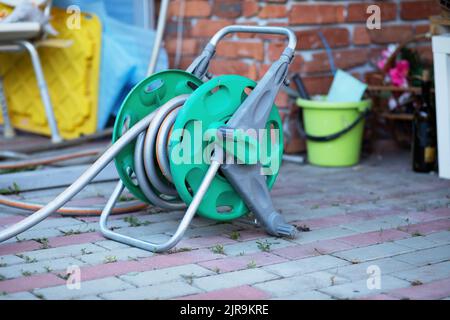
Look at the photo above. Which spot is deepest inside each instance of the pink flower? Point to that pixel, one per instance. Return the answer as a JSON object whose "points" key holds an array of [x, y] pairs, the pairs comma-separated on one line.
{"points": [[399, 73]]}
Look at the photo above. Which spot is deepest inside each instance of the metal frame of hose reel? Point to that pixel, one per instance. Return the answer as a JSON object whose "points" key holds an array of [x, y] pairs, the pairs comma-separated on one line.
{"points": [[246, 179]]}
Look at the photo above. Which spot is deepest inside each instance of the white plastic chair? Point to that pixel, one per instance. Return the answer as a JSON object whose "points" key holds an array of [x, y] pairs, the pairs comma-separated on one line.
{"points": [[22, 36]]}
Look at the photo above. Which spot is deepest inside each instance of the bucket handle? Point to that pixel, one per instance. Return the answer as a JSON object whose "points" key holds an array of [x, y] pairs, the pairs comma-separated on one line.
{"points": [[336, 135]]}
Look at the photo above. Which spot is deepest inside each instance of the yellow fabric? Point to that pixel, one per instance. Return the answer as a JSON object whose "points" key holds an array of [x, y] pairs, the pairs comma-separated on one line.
{"points": [[72, 75]]}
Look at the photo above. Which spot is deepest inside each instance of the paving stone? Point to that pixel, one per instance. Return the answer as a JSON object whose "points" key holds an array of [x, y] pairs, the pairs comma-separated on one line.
{"points": [[36, 234], [67, 251], [235, 263], [427, 273], [88, 237], [10, 260], [429, 291], [387, 222], [417, 243], [299, 284], [111, 245], [221, 228], [442, 237], [29, 283], [323, 234], [426, 256], [16, 271], [235, 293], [91, 227], [359, 288], [87, 288], [377, 251], [91, 298], [154, 262], [233, 279], [185, 272], [114, 255], [162, 291], [310, 295], [253, 246], [312, 249], [57, 223], [306, 265], [359, 271], [19, 296], [17, 247], [204, 242], [374, 237]]}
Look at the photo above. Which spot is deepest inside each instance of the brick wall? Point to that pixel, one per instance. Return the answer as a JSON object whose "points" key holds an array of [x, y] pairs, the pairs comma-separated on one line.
{"points": [[342, 23]]}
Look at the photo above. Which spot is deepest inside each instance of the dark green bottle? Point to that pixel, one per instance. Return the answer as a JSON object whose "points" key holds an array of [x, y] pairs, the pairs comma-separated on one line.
{"points": [[424, 144]]}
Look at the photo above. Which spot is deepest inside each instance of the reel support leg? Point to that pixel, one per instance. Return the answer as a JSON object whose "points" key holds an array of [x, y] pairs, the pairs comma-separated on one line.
{"points": [[145, 245]]}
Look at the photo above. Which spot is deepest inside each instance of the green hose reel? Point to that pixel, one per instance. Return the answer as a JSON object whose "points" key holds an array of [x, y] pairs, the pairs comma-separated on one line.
{"points": [[210, 105]]}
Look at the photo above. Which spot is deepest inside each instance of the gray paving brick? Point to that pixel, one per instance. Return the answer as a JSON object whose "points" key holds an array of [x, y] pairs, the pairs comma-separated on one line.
{"points": [[299, 284], [417, 243], [359, 288], [442, 237], [88, 288], [233, 279], [19, 296], [91, 297], [310, 295], [60, 252], [213, 230], [115, 255], [248, 247], [92, 226], [306, 265], [57, 223], [323, 234], [111, 245], [153, 228], [359, 271], [10, 260], [377, 251], [35, 234], [387, 222], [425, 274], [39, 267], [426, 256], [185, 272], [162, 291]]}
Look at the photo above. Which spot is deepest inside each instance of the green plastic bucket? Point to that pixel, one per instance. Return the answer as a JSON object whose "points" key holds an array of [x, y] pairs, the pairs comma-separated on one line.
{"points": [[334, 131]]}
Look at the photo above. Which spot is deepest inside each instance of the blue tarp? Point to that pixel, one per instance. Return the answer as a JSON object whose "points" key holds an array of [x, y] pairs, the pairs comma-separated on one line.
{"points": [[125, 56]]}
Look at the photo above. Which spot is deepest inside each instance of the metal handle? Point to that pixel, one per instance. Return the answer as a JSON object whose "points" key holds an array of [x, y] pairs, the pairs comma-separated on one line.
{"points": [[255, 29], [199, 66]]}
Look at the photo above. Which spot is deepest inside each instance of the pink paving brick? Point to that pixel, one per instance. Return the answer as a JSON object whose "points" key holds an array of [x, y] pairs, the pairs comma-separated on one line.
{"points": [[242, 262], [440, 212], [155, 262], [204, 242], [88, 237], [429, 291], [428, 227], [374, 237], [10, 220], [17, 247], [32, 282], [236, 293]]}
